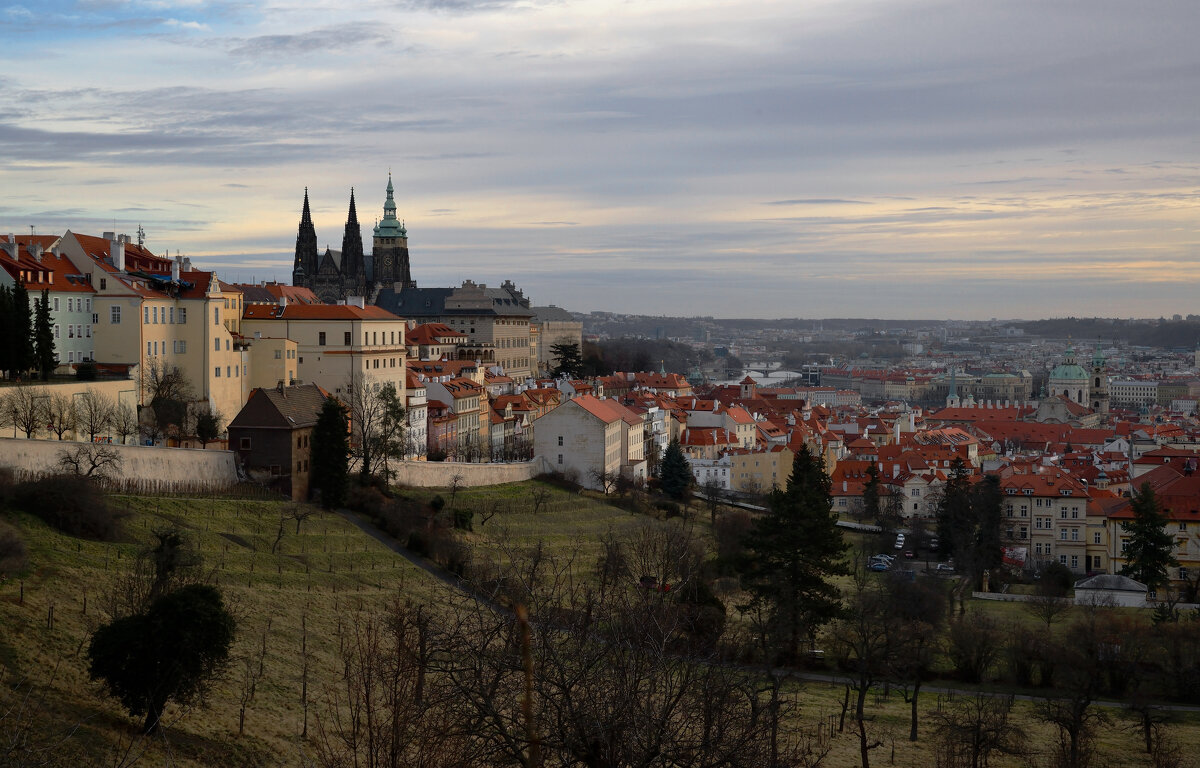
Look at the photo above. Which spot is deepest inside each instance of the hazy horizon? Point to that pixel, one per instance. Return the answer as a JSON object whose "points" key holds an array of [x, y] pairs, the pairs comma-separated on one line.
{"points": [[897, 158]]}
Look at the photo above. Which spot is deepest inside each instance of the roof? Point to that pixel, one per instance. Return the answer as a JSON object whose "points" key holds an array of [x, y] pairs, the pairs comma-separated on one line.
{"points": [[315, 312], [292, 407], [436, 302], [1111, 582], [552, 314]]}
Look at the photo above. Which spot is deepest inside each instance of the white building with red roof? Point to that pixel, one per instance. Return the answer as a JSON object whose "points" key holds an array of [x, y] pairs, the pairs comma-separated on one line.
{"points": [[592, 440]]}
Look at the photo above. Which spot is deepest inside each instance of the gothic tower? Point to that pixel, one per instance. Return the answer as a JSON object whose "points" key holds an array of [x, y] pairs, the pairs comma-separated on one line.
{"points": [[305, 266], [1099, 381], [390, 247], [354, 273]]}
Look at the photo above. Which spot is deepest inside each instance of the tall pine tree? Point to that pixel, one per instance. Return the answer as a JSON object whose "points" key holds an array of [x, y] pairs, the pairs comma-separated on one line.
{"points": [[43, 337], [22, 331], [331, 454], [7, 340], [1148, 551], [674, 472], [793, 551]]}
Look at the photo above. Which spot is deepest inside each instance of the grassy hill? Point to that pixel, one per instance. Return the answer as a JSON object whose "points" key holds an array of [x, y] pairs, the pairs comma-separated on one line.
{"points": [[298, 590]]}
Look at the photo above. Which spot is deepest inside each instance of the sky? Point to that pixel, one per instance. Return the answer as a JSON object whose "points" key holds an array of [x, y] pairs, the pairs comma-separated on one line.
{"points": [[849, 158]]}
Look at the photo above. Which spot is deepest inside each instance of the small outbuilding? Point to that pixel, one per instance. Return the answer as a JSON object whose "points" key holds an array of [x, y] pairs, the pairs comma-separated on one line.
{"points": [[1106, 589], [272, 436]]}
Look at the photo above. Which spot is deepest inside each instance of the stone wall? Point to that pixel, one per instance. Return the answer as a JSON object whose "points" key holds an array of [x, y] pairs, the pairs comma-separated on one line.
{"points": [[439, 474], [144, 468]]}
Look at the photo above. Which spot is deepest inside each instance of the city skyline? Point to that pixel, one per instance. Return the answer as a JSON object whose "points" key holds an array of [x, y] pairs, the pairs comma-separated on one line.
{"points": [[882, 159]]}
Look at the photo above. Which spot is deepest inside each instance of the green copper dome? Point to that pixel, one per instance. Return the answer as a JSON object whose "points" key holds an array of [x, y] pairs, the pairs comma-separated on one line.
{"points": [[390, 226]]}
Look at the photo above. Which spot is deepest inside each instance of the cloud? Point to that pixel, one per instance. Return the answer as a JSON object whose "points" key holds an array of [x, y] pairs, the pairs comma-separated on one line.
{"points": [[336, 39], [817, 201], [194, 26]]}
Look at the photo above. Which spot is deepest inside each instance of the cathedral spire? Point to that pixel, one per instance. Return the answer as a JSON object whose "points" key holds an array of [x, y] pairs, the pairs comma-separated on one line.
{"points": [[305, 264], [353, 262]]}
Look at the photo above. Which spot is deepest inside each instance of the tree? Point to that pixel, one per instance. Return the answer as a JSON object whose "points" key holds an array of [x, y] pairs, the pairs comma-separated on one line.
{"points": [[864, 650], [378, 417], [331, 454], [171, 652], [570, 360], [674, 473], [208, 425], [90, 460], [124, 422], [43, 336], [167, 392], [954, 523], [21, 331], [793, 551], [969, 731], [60, 414], [25, 409], [95, 413], [1148, 551]]}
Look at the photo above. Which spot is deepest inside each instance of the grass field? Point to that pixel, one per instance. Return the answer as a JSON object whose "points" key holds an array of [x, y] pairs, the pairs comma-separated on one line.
{"points": [[322, 576]]}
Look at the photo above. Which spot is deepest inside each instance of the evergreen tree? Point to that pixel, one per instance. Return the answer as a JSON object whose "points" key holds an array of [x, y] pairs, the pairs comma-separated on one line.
{"points": [[331, 454], [674, 472], [955, 526], [793, 551], [44, 337], [987, 511], [22, 331], [1148, 552], [570, 360], [7, 340]]}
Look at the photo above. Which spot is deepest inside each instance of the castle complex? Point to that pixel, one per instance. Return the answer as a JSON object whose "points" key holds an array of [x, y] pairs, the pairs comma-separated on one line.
{"points": [[335, 275]]}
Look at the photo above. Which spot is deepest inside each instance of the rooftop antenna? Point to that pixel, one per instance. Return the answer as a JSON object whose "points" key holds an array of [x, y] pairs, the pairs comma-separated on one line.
{"points": [[141, 233], [32, 230]]}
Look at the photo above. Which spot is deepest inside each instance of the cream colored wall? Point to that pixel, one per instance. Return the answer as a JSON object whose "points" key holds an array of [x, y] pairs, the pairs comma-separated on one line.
{"points": [[267, 370], [165, 468], [120, 391]]}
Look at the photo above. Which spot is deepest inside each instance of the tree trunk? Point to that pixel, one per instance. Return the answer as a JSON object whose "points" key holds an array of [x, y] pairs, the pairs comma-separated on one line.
{"points": [[845, 706], [912, 730], [863, 748], [153, 716]]}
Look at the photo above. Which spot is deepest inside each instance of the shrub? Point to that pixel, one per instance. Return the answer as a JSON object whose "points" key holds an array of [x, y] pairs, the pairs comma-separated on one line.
{"points": [[464, 519], [85, 372], [13, 557], [366, 499], [72, 504], [668, 508], [1057, 580]]}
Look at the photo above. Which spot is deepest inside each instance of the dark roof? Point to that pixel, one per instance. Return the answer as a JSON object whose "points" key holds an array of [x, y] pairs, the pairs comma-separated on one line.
{"points": [[1110, 581], [288, 407], [552, 314], [431, 302]]}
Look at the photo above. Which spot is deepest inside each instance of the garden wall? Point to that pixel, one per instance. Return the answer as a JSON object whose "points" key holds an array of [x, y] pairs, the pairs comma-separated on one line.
{"points": [[143, 468], [440, 474]]}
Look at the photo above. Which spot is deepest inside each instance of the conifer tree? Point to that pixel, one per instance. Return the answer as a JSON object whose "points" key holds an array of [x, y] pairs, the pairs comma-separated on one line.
{"points": [[7, 340], [331, 454], [44, 337], [793, 551], [870, 495], [1148, 552], [22, 331], [674, 472]]}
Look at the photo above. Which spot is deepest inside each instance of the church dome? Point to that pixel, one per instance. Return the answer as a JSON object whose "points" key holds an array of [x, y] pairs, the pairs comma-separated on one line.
{"points": [[1068, 372]]}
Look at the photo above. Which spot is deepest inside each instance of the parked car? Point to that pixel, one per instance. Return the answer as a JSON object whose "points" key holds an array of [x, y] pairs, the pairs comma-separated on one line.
{"points": [[899, 541], [933, 543], [878, 565], [944, 569], [909, 554]]}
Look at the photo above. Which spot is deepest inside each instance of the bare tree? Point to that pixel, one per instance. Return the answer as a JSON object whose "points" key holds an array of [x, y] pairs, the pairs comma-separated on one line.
{"points": [[124, 422], [25, 409], [865, 649], [970, 730], [90, 460], [973, 644], [539, 495], [605, 480], [714, 494], [95, 413], [1047, 608], [167, 394], [457, 482], [60, 414], [378, 419]]}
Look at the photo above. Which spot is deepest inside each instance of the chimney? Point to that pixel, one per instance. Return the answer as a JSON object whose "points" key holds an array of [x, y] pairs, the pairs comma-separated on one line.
{"points": [[117, 251], [110, 235], [283, 301], [355, 301], [36, 251], [11, 248], [175, 266]]}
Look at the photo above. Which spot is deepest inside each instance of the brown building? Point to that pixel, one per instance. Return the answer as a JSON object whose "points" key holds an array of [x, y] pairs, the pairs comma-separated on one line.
{"points": [[272, 436]]}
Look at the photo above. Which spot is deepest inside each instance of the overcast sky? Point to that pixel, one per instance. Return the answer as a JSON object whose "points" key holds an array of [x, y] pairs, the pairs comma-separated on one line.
{"points": [[897, 158]]}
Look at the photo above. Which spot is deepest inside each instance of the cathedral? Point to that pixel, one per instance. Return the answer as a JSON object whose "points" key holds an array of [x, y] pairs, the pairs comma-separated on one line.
{"points": [[336, 275]]}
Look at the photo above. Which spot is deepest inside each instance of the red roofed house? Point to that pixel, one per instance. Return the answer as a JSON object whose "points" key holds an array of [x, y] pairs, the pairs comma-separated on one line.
{"points": [[593, 440]]}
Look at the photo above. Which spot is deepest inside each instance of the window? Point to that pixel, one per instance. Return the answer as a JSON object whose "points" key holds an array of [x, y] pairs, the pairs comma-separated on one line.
{"points": [[145, 315], [227, 345], [560, 458], [227, 371], [1062, 533], [1074, 561], [171, 314], [1074, 534], [217, 372], [70, 305], [321, 338], [147, 349], [216, 315], [70, 356], [560, 440], [183, 314], [346, 338], [278, 354], [1096, 537], [95, 318], [89, 332], [244, 444], [71, 331], [55, 303], [154, 314], [916, 492], [216, 345], [1024, 532], [1183, 527]]}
